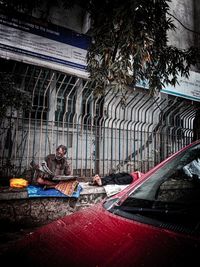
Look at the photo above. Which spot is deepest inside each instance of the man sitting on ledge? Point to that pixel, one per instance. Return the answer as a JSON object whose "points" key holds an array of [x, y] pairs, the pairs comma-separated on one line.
{"points": [[54, 165]]}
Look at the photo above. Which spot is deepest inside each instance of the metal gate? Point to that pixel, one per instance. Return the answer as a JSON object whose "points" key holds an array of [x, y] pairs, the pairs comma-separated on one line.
{"points": [[103, 134]]}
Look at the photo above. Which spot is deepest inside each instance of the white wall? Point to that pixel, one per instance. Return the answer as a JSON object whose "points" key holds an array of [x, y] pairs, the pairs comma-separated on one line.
{"points": [[183, 10], [74, 18]]}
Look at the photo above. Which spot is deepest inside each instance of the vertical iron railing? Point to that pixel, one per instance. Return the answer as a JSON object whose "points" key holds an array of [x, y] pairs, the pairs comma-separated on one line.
{"points": [[101, 134]]}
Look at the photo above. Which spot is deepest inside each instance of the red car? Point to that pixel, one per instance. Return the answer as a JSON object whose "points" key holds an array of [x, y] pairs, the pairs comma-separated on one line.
{"points": [[153, 222]]}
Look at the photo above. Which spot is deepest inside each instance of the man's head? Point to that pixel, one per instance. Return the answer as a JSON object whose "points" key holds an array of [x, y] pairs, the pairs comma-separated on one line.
{"points": [[61, 150]]}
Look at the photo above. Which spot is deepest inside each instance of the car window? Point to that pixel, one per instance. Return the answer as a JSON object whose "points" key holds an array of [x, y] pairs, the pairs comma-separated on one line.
{"points": [[171, 182], [171, 194]]}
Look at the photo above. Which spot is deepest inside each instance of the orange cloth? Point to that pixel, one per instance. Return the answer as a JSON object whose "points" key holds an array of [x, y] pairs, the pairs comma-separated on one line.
{"points": [[68, 187], [18, 183]]}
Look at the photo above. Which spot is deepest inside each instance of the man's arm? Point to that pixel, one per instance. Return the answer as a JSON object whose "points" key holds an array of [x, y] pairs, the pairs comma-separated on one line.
{"points": [[67, 168]]}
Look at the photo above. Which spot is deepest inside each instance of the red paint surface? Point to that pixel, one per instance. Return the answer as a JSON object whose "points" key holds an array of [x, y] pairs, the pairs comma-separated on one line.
{"points": [[95, 237]]}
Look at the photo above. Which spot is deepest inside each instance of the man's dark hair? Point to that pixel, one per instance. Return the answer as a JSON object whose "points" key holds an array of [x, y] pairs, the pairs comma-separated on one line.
{"points": [[64, 148]]}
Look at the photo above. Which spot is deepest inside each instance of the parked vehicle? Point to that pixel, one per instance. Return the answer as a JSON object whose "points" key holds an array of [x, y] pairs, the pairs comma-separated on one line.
{"points": [[153, 222]]}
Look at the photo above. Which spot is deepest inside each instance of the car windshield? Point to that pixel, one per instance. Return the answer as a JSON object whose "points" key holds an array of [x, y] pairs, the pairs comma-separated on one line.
{"points": [[171, 194]]}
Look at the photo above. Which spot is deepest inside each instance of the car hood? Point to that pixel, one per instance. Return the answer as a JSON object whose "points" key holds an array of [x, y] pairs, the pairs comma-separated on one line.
{"points": [[97, 237]]}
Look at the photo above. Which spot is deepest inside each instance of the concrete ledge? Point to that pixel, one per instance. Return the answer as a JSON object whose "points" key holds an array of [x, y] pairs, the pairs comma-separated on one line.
{"points": [[7, 193], [17, 208]]}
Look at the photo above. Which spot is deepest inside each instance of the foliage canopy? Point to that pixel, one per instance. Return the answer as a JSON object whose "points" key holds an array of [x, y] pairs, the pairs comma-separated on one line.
{"points": [[130, 45]]}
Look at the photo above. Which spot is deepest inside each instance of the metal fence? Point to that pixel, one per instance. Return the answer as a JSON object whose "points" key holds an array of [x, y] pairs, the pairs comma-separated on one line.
{"points": [[103, 134]]}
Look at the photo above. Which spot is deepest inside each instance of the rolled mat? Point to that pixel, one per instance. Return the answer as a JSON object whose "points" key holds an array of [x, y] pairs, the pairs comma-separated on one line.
{"points": [[68, 187]]}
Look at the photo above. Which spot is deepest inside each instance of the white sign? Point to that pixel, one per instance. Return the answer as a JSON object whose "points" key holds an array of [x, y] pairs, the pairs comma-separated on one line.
{"points": [[187, 88], [53, 47]]}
